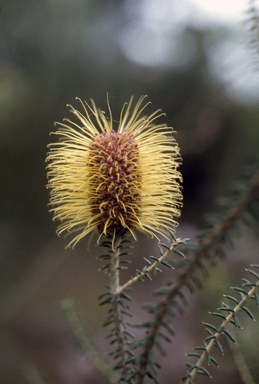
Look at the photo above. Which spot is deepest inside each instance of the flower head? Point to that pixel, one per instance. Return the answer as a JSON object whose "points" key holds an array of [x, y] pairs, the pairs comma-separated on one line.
{"points": [[114, 180]]}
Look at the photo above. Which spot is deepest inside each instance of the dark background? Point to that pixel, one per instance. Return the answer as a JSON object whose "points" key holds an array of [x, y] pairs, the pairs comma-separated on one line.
{"points": [[204, 77]]}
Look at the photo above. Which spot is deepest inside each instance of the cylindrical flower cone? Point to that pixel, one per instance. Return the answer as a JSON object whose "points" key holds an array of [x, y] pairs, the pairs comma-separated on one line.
{"points": [[114, 179]]}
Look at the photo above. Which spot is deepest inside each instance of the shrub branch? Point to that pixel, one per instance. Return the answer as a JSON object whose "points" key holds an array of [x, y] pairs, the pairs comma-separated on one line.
{"points": [[213, 237]]}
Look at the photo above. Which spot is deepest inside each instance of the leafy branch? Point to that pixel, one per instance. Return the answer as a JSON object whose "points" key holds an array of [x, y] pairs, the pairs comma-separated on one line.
{"points": [[210, 247], [77, 326], [254, 23], [119, 335], [215, 333], [117, 297], [146, 270], [133, 367]]}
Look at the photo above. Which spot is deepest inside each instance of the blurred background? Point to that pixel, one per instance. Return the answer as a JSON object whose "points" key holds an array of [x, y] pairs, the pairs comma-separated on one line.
{"points": [[196, 61]]}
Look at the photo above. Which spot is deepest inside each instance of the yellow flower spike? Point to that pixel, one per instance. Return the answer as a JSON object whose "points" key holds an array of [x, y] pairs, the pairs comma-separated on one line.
{"points": [[114, 181]]}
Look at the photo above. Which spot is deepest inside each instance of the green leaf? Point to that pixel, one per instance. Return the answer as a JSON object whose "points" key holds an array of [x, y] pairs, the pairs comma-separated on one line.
{"points": [[106, 301], [125, 296], [210, 326], [172, 235], [210, 332], [168, 328], [190, 286], [164, 245], [161, 251], [126, 313], [186, 375], [103, 295], [160, 348], [163, 336], [166, 264], [238, 289], [211, 358], [191, 367], [231, 298], [218, 315], [152, 376], [229, 334], [200, 348], [247, 283], [128, 333], [256, 298], [191, 354], [210, 337], [162, 291], [154, 258], [235, 321], [183, 298], [147, 260], [253, 273], [219, 346], [248, 312], [226, 309], [184, 241], [178, 306], [204, 371], [179, 252]]}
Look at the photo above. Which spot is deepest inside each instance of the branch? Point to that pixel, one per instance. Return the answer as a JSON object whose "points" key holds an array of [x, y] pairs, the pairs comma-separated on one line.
{"points": [[81, 336], [215, 235], [146, 270], [213, 337]]}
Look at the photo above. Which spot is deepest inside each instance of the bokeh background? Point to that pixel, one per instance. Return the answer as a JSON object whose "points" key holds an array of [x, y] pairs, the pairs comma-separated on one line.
{"points": [[199, 65]]}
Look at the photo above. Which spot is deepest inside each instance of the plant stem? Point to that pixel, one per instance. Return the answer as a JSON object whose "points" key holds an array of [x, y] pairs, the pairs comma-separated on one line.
{"points": [[176, 285], [115, 268], [217, 335], [145, 272], [116, 303]]}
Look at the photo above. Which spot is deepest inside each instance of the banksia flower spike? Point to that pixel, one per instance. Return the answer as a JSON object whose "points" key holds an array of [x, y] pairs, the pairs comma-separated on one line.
{"points": [[114, 180]]}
